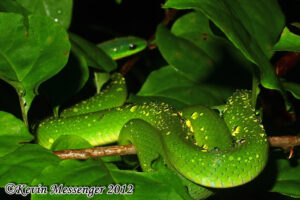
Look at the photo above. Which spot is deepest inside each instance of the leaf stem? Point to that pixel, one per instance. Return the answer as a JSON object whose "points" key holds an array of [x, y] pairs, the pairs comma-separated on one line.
{"points": [[23, 108]]}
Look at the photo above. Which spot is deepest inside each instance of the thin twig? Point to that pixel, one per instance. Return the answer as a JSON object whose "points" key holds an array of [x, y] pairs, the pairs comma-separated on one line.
{"points": [[285, 142], [96, 152]]}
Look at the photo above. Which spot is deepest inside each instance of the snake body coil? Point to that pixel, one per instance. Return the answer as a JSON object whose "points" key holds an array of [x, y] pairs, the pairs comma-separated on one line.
{"points": [[196, 142], [229, 151]]}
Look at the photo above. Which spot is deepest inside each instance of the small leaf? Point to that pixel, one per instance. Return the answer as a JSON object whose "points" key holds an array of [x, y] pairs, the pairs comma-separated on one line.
{"points": [[100, 79], [60, 11], [288, 41], [95, 56], [13, 133]]}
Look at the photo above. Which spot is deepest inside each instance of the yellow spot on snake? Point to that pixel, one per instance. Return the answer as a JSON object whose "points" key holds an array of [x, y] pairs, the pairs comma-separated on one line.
{"points": [[89, 124], [202, 129], [51, 140], [262, 135], [189, 124], [174, 114], [205, 148], [168, 133], [236, 131], [206, 137], [195, 115], [119, 89], [180, 114], [133, 108], [257, 156], [201, 114]]}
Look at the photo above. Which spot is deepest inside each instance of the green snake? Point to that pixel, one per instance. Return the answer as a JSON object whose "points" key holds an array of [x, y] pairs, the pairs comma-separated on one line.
{"points": [[199, 144]]}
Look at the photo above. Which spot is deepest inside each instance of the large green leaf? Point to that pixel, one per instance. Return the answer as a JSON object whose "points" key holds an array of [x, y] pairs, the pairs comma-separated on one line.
{"points": [[167, 82], [13, 133], [196, 28], [244, 22], [28, 58], [60, 11], [164, 184], [25, 163], [183, 55], [288, 179]]}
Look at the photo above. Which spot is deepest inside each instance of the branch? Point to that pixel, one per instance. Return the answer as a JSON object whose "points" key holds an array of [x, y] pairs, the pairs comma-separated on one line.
{"points": [[285, 142], [96, 152]]}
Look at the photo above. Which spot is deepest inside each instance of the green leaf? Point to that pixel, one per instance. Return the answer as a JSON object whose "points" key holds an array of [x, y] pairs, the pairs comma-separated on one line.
{"points": [[192, 22], [95, 56], [183, 55], [25, 163], [13, 133], [70, 142], [248, 33], [28, 58], [167, 82], [60, 11], [12, 6], [100, 79], [288, 41], [288, 179], [164, 184]]}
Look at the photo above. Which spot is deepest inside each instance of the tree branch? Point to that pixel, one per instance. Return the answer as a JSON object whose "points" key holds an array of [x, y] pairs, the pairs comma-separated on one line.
{"points": [[284, 142], [96, 152]]}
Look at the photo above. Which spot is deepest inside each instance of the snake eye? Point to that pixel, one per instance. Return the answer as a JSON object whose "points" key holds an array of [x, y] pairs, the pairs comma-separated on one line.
{"points": [[132, 46]]}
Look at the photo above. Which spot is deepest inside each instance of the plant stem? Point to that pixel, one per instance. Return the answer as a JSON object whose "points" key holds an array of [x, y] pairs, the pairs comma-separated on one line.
{"points": [[23, 108]]}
